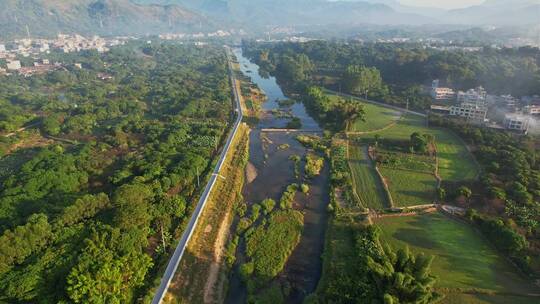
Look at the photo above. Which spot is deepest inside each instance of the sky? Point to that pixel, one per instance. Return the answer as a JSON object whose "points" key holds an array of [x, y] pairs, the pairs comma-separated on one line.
{"points": [[442, 3]]}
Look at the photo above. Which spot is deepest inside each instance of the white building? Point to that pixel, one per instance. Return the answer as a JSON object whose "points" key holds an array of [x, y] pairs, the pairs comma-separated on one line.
{"points": [[441, 93], [532, 110], [473, 96], [14, 65], [508, 101], [2, 48], [517, 122], [476, 113]]}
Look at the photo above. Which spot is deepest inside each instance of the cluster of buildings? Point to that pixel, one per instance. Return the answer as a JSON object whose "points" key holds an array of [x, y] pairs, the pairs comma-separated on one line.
{"points": [[477, 106], [37, 49], [216, 34]]}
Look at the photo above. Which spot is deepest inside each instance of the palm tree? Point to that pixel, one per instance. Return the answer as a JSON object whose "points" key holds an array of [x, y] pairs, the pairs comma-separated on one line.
{"points": [[349, 111]]}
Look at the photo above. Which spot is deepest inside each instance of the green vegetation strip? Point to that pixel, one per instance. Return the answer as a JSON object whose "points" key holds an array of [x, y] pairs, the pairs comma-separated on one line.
{"points": [[269, 246], [367, 182]]}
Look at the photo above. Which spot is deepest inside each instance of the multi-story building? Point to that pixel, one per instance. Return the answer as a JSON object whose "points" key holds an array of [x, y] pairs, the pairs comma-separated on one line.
{"points": [[441, 93], [2, 48], [475, 113], [532, 110], [473, 96], [14, 65], [517, 122]]}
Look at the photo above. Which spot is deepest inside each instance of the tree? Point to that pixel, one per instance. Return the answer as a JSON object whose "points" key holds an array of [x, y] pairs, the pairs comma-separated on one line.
{"points": [[464, 191], [51, 125], [419, 143], [103, 273], [17, 245], [349, 111], [132, 206], [401, 277], [361, 80]]}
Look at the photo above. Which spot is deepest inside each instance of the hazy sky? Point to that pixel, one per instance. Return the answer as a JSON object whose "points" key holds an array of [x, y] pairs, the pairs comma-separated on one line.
{"points": [[442, 3]]}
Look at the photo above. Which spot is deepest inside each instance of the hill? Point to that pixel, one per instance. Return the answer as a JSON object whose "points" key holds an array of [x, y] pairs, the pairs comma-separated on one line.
{"points": [[104, 17], [270, 13]]}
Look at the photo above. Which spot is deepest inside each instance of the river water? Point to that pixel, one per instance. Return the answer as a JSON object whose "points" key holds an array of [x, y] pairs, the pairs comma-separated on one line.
{"points": [[274, 172]]}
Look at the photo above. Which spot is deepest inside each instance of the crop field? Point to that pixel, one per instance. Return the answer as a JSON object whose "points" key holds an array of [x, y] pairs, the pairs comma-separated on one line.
{"points": [[455, 162], [464, 261], [410, 188], [367, 183], [406, 161]]}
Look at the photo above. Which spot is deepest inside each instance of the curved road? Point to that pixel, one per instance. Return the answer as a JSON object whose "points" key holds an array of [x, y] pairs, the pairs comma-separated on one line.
{"points": [[179, 251]]}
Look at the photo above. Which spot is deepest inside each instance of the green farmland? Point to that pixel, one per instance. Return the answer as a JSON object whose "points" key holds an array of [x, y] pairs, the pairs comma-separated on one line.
{"points": [[367, 183], [464, 261], [455, 162], [407, 188], [410, 188]]}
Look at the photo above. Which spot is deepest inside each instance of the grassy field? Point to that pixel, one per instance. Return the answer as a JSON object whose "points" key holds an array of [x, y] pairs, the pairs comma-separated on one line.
{"points": [[409, 188], [377, 117], [455, 162], [367, 183], [463, 259]]}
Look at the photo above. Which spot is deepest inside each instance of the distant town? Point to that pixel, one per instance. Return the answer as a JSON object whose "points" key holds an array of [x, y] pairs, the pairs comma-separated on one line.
{"points": [[37, 49], [494, 111]]}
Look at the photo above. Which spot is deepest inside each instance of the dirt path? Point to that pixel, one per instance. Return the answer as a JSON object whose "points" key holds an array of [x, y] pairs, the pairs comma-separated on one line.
{"points": [[21, 129], [211, 295], [413, 213], [378, 130]]}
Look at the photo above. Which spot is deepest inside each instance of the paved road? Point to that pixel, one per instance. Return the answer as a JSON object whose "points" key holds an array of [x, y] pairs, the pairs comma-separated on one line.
{"points": [[184, 240]]}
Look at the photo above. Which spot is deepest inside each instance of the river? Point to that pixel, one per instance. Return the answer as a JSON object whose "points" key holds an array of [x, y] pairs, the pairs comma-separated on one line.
{"points": [[274, 172]]}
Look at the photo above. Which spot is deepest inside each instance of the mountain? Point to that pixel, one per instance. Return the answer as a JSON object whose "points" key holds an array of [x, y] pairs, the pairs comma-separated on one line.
{"points": [[270, 13], [104, 17], [497, 12]]}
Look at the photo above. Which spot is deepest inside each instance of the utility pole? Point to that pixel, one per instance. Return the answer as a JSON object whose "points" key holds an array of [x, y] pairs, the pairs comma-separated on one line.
{"points": [[198, 180], [162, 237]]}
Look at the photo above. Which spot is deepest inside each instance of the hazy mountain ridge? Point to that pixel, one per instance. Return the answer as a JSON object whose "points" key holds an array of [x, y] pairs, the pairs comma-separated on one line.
{"points": [[294, 12], [105, 17], [124, 17], [497, 12]]}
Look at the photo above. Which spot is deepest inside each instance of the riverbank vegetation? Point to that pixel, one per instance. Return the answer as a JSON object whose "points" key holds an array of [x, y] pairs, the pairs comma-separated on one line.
{"points": [[92, 215], [268, 240], [314, 165]]}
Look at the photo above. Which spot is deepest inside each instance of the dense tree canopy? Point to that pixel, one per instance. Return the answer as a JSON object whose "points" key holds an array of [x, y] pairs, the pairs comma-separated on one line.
{"points": [[107, 170]]}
